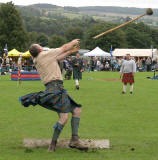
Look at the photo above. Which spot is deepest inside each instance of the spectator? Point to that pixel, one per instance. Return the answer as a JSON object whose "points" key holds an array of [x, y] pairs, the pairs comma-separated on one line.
{"points": [[148, 64], [98, 64]]}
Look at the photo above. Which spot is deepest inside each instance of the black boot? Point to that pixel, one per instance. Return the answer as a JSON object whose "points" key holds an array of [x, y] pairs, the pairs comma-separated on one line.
{"points": [[77, 87]]}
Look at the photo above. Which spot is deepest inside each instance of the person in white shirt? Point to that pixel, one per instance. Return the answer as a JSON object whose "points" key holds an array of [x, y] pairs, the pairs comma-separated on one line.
{"points": [[98, 64], [128, 69]]}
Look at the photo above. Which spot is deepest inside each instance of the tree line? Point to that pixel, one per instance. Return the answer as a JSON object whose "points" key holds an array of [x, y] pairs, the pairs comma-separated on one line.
{"points": [[19, 32]]}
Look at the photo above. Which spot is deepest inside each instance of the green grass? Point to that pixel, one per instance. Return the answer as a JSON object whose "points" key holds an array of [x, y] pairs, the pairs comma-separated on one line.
{"points": [[129, 121]]}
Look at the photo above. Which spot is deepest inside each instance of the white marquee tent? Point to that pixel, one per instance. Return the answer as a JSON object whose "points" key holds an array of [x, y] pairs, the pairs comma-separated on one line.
{"points": [[136, 52], [97, 52]]}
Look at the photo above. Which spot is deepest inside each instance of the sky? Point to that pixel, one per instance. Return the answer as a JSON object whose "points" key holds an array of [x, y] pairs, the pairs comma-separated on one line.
{"points": [[76, 3]]}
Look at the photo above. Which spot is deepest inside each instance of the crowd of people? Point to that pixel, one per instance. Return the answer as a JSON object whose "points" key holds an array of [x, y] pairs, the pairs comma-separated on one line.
{"points": [[108, 64], [8, 65]]}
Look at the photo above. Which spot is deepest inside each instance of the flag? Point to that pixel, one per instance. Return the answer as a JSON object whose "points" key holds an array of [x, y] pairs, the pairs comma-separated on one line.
{"points": [[6, 50], [111, 51]]}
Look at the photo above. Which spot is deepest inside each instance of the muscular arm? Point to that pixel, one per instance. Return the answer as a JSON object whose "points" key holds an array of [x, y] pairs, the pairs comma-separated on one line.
{"points": [[134, 67], [67, 53], [69, 46], [121, 70]]}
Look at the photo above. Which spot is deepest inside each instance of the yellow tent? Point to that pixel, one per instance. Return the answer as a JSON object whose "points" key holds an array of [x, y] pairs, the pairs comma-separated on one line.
{"points": [[26, 54], [14, 53]]}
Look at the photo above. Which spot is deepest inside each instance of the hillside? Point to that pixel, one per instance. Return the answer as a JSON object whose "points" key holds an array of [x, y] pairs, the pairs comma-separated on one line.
{"points": [[53, 26], [105, 13], [116, 10]]}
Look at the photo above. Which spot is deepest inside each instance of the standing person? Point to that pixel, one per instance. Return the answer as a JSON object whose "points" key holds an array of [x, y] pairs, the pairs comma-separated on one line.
{"points": [[148, 64], [107, 66], [1, 61], [3, 67], [113, 63], [143, 64], [19, 68], [128, 69], [98, 64], [119, 63], [7, 64], [77, 65], [20, 62], [92, 64], [55, 97]]}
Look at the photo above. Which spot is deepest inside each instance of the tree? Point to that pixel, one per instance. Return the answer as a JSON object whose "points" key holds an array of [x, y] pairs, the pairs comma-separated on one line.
{"points": [[12, 31], [117, 38], [42, 39], [155, 37], [56, 41], [138, 36], [33, 37], [73, 33]]}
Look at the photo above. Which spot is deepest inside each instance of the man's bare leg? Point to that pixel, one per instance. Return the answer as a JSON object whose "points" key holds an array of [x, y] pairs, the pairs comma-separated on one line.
{"points": [[63, 117], [131, 88], [124, 88]]}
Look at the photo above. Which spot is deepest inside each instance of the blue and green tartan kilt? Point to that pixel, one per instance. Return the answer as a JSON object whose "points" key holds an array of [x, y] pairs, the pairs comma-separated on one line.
{"points": [[77, 74], [54, 98]]}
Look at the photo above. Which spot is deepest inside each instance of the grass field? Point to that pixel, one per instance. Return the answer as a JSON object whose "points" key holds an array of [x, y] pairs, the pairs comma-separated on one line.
{"points": [[129, 121]]}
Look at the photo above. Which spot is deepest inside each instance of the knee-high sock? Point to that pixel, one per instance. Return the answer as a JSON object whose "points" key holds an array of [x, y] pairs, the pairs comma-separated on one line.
{"points": [[131, 87], [57, 130], [75, 121], [77, 82], [124, 87]]}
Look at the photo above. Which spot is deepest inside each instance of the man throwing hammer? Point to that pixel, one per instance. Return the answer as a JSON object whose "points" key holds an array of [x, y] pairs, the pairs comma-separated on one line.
{"points": [[128, 69], [55, 97]]}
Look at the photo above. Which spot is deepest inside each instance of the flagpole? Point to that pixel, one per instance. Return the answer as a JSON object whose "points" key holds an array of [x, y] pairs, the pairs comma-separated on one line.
{"points": [[152, 52], [152, 56], [111, 51], [111, 57]]}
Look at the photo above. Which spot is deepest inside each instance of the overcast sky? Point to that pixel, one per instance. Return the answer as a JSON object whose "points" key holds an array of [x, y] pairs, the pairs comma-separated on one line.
{"points": [[123, 3]]}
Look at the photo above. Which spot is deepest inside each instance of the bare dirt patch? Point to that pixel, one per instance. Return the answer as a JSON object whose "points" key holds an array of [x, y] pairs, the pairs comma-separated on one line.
{"points": [[111, 80], [63, 143]]}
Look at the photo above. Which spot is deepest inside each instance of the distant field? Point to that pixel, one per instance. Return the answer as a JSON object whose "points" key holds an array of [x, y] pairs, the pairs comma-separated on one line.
{"points": [[104, 16], [129, 121], [72, 15]]}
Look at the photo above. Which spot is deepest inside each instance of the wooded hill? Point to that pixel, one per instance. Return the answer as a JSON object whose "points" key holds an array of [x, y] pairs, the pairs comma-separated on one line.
{"points": [[53, 26], [105, 13]]}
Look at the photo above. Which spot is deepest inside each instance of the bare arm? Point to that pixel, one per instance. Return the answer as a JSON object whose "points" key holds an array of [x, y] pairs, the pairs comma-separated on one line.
{"points": [[134, 68], [65, 54], [121, 71], [70, 45]]}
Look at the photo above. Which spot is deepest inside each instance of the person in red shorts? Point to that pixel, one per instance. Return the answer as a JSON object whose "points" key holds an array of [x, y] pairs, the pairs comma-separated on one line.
{"points": [[128, 70]]}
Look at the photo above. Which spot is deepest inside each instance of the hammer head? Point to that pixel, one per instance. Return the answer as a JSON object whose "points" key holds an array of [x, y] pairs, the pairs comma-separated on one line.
{"points": [[149, 11]]}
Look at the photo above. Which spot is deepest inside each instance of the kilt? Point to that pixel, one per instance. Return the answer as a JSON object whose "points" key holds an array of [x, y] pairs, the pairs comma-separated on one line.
{"points": [[128, 78], [77, 74], [54, 98]]}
